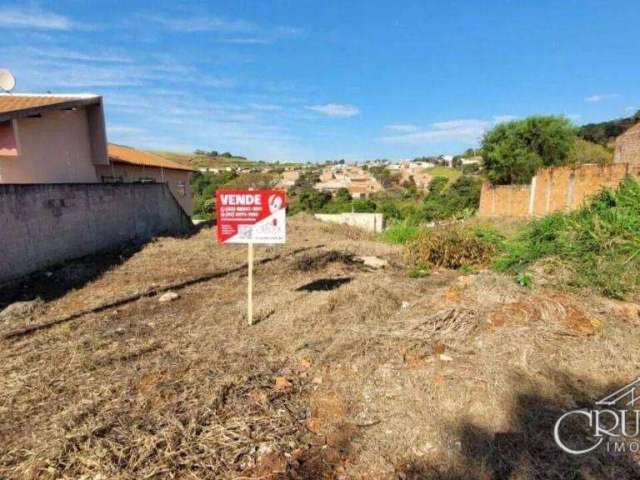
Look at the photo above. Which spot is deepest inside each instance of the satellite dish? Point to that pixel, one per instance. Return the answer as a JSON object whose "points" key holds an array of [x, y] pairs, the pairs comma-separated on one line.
{"points": [[7, 80]]}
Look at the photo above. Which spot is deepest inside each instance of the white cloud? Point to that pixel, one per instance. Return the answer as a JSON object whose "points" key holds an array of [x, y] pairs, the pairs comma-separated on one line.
{"points": [[47, 52], [402, 128], [504, 118], [33, 17], [247, 41], [265, 107], [336, 110], [123, 130], [230, 31], [632, 109], [463, 130], [600, 97], [241, 117], [203, 24], [215, 82]]}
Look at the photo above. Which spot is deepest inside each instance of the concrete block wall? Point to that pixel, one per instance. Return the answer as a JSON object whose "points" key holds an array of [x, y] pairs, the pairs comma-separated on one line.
{"points": [[372, 222], [552, 190], [45, 224]]}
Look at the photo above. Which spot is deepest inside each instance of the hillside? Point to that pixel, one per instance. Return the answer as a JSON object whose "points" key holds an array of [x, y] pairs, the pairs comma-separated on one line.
{"points": [[206, 160], [219, 161], [604, 133]]}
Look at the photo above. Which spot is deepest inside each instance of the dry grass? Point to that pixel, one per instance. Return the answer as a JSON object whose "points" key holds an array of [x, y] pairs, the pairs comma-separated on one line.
{"points": [[451, 246], [384, 376]]}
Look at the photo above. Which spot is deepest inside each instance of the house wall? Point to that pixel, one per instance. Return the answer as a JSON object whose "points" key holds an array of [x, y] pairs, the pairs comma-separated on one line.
{"points": [[53, 148], [628, 147], [46, 224], [177, 180], [552, 190]]}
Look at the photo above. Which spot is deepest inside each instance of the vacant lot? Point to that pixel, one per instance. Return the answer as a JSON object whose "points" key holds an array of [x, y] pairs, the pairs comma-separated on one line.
{"points": [[351, 371]]}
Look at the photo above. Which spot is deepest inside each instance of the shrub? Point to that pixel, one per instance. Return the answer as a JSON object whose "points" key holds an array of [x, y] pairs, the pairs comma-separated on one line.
{"points": [[452, 246], [364, 205], [514, 151], [400, 233], [390, 210], [204, 191], [312, 200], [343, 195], [460, 200], [587, 152], [599, 244]]}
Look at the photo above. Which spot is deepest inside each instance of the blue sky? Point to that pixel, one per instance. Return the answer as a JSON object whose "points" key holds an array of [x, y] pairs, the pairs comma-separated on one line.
{"points": [[307, 80]]}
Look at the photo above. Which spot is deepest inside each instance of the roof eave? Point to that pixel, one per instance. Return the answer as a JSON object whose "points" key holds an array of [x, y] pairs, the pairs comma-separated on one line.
{"points": [[76, 102], [126, 162]]}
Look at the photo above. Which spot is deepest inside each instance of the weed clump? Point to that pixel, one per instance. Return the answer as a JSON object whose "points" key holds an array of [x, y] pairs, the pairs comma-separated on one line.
{"points": [[400, 233], [453, 246], [599, 243]]}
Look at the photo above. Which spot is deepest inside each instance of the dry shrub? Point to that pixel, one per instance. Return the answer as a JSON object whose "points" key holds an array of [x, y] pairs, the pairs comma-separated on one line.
{"points": [[348, 231], [318, 261], [450, 246]]}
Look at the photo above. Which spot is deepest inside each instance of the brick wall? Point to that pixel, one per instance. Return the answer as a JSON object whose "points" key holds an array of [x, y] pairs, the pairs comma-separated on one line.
{"points": [[551, 190], [46, 224], [628, 147]]}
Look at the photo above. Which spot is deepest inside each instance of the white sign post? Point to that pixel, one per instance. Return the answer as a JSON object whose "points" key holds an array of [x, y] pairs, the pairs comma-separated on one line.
{"points": [[250, 216], [250, 284]]}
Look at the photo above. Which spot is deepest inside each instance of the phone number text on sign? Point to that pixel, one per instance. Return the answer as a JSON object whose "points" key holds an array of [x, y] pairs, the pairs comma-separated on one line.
{"points": [[251, 216]]}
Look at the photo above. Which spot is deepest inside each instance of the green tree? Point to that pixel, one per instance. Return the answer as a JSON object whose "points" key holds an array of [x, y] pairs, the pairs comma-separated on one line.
{"points": [[459, 199], [343, 195], [410, 189], [390, 210], [437, 185], [204, 186], [464, 193], [514, 151], [312, 200], [364, 205], [588, 152]]}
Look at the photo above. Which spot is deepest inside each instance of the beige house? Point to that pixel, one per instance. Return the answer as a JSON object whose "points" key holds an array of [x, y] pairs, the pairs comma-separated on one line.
{"points": [[51, 138], [362, 187], [289, 179], [62, 139], [130, 165], [628, 146]]}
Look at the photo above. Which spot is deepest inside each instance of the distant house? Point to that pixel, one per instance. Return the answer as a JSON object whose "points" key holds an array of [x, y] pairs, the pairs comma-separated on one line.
{"points": [[62, 139], [289, 179], [51, 138], [331, 186], [628, 146], [477, 160], [447, 159], [363, 187], [130, 165]]}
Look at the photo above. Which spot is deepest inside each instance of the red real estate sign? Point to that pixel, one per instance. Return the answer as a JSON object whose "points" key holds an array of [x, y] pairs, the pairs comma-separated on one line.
{"points": [[251, 216]]}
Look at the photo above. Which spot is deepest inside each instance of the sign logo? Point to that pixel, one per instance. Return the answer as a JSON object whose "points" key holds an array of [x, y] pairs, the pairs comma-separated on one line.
{"points": [[613, 420], [251, 216]]}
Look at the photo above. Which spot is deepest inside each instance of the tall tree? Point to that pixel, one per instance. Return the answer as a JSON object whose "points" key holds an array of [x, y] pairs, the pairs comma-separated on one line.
{"points": [[514, 151]]}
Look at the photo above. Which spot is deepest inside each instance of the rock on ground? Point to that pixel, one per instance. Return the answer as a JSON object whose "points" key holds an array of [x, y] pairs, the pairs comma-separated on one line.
{"points": [[168, 297], [373, 262]]}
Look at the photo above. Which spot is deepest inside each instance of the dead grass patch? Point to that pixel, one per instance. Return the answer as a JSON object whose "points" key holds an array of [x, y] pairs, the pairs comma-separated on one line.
{"points": [[382, 377], [451, 246]]}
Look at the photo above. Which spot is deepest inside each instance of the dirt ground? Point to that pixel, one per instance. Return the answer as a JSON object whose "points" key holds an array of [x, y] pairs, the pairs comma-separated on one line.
{"points": [[350, 373]]}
